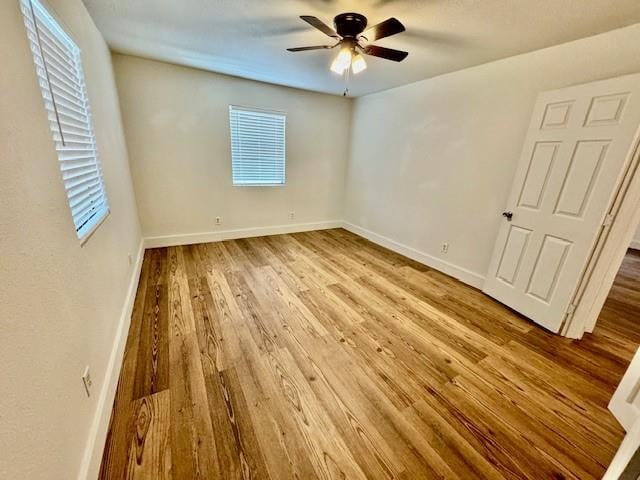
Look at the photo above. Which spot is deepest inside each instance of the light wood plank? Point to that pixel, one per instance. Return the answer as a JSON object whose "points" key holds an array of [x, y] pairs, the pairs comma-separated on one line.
{"points": [[320, 355]]}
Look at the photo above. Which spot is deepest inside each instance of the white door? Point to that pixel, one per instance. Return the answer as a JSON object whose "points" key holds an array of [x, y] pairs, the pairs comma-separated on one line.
{"points": [[573, 157], [625, 403], [625, 406]]}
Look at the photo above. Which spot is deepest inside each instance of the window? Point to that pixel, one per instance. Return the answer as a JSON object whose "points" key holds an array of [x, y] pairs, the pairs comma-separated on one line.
{"points": [[257, 146], [59, 71]]}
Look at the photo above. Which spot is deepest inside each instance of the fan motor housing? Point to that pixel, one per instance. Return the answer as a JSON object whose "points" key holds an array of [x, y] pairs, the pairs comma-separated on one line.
{"points": [[350, 25]]}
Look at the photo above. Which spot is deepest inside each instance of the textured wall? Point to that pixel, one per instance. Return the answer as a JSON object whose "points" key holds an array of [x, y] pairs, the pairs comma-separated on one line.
{"points": [[176, 121], [433, 161]]}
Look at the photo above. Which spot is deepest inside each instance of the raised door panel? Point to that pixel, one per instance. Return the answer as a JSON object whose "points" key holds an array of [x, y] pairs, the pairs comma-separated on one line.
{"points": [[586, 162], [512, 254], [548, 268], [557, 115], [606, 110], [537, 176]]}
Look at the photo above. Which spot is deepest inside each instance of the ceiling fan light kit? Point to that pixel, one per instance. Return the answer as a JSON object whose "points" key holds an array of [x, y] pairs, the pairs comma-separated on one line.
{"points": [[358, 64], [342, 62], [350, 32]]}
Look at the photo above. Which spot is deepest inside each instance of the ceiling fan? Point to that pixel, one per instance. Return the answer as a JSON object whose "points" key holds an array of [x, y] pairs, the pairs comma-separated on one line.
{"points": [[349, 32]]}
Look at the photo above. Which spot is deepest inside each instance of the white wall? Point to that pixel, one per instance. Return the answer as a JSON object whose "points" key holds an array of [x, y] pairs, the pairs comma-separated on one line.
{"points": [[433, 161], [177, 127], [60, 303]]}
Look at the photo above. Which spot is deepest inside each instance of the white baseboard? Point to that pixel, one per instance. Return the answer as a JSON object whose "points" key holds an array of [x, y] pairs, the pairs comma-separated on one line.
{"points": [[635, 244], [90, 467], [217, 236], [467, 276]]}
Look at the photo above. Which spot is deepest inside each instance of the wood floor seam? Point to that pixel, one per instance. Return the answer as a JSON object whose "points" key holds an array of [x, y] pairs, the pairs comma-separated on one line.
{"points": [[320, 355]]}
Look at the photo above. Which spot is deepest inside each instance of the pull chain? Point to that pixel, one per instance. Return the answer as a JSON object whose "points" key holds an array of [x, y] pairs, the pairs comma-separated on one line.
{"points": [[346, 81]]}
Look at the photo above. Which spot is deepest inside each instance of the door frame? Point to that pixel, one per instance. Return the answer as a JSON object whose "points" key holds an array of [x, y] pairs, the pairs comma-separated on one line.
{"points": [[609, 250]]}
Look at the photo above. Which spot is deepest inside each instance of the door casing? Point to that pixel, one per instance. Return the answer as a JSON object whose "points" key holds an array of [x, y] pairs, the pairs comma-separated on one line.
{"points": [[609, 250]]}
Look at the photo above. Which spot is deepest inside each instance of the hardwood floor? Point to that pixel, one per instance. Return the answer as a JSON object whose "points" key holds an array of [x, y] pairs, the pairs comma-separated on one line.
{"points": [[322, 355]]}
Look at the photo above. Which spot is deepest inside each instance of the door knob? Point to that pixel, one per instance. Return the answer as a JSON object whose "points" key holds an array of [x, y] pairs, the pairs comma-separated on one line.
{"points": [[507, 215]]}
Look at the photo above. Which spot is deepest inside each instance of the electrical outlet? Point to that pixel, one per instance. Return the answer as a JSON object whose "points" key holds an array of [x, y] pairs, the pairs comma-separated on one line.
{"points": [[218, 220], [445, 247], [86, 379], [292, 215]]}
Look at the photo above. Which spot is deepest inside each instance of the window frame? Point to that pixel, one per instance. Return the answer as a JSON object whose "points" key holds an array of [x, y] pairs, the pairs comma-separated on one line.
{"points": [[40, 23], [257, 110]]}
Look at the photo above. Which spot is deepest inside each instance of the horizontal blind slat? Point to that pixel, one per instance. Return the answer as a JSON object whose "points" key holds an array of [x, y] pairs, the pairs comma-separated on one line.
{"points": [[82, 216], [64, 105], [59, 88], [86, 203], [76, 137], [248, 136], [70, 165], [75, 149], [64, 157], [50, 37], [257, 166], [73, 132], [71, 117], [71, 178], [90, 192], [51, 88], [95, 217], [70, 126], [64, 98], [61, 64], [251, 121], [61, 53], [62, 72], [73, 141]]}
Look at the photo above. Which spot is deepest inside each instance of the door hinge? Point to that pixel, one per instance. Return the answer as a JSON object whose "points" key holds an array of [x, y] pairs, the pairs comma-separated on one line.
{"points": [[571, 309], [608, 219]]}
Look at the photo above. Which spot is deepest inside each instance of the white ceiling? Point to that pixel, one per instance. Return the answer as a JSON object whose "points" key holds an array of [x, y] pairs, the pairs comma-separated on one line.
{"points": [[248, 38]]}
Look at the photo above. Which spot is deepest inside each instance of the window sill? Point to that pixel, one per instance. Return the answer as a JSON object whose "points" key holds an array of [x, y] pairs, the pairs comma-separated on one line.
{"points": [[85, 238], [259, 184]]}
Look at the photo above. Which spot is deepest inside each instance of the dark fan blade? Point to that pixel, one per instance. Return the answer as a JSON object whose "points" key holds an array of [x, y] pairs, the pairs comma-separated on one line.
{"points": [[384, 29], [320, 25], [388, 53], [317, 47]]}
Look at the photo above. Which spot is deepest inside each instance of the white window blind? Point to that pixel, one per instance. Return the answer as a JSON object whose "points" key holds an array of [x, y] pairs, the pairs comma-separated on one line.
{"points": [[257, 146], [59, 71]]}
